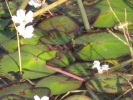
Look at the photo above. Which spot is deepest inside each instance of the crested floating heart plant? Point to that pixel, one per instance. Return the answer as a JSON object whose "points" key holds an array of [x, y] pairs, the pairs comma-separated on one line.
{"points": [[53, 45]]}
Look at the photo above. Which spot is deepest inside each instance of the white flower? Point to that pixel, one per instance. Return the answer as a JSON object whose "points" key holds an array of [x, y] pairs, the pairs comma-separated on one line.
{"points": [[105, 67], [97, 65], [25, 32], [100, 69], [35, 3], [22, 18], [43, 98]]}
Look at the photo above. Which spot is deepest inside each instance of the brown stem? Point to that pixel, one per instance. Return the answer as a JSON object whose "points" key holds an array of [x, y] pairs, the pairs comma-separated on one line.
{"points": [[66, 73]]}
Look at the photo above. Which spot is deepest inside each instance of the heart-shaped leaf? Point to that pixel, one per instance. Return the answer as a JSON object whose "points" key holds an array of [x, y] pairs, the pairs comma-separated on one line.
{"points": [[59, 84], [62, 59], [107, 46], [59, 23], [78, 97], [111, 83], [107, 18], [80, 69]]}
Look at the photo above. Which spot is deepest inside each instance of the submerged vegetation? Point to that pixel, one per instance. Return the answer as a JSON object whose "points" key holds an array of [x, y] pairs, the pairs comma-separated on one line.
{"points": [[48, 49]]}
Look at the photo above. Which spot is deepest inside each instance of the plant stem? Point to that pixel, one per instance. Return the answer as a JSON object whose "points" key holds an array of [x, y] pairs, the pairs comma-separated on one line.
{"points": [[19, 53], [41, 11], [84, 16], [24, 4], [66, 73]]}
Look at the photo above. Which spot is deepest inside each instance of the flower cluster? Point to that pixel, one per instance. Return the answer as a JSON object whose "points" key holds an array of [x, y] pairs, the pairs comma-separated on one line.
{"points": [[23, 19], [37, 3], [43, 98], [96, 64]]}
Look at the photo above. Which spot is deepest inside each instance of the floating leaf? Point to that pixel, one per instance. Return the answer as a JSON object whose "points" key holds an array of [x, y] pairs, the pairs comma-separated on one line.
{"points": [[111, 83], [78, 97], [59, 84], [72, 11], [34, 49], [12, 97], [6, 34], [10, 45], [15, 88], [59, 23], [35, 39], [4, 12], [20, 90], [40, 91], [56, 38], [107, 18], [62, 59], [80, 69], [107, 46], [33, 66], [4, 22]]}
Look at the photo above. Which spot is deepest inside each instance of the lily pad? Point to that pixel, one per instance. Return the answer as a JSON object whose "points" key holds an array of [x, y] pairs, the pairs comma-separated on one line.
{"points": [[34, 49], [105, 47], [4, 22], [59, 84], [22, 89], [15, 88], [62, 59], [32, 65], [111, 83], [107, 18], [72, 11], [59, 23], [4, 10], [78, 97], [10, 45], [56, 38], [6, 34], [35, 39], [80, 69]]}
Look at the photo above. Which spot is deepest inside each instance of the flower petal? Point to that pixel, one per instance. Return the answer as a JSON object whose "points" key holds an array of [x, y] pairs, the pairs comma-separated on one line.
{"points": [[45, 98], [29, 30], [34, 3], [25, 32], [21, 28], [21, 14], [36, 97], [29, 16], [15, 19]]}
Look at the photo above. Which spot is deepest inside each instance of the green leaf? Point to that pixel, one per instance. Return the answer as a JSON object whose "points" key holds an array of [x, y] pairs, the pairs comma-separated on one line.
{"points": [[11, 45], [22, 90], [32, 65], [4, 22], [35, 39], [73, 12], [80, 69], [6, 34], [56, 38], [78, 97], [111, 83], [34, 49], [107, 18], [14, 88], [4, 12], [59, 23], [62, 59], [59, 84], [105, 47]]}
